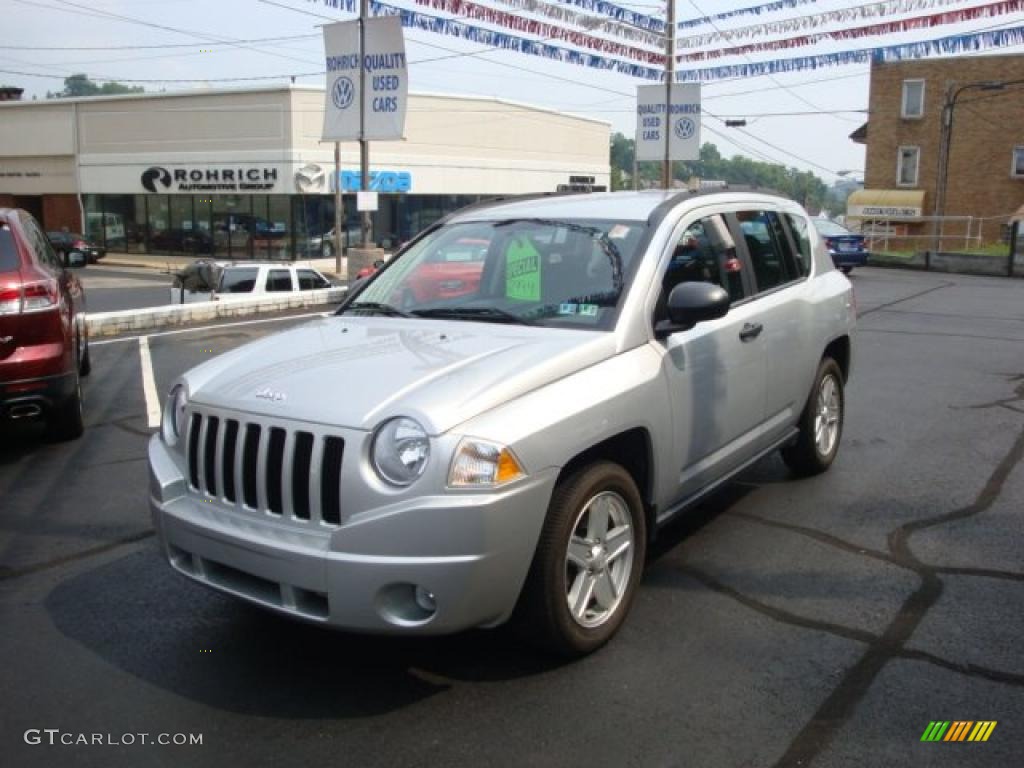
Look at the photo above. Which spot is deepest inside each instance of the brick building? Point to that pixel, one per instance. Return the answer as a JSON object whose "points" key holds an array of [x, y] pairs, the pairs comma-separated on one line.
{"points": [[964, 114]]}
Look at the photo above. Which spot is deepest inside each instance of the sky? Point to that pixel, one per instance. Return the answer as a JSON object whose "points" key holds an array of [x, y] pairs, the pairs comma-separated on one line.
{"points": [[800, 119]]}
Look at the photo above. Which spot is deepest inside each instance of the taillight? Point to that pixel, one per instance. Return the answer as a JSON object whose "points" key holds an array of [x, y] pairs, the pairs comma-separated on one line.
{"points": [[79, 244], [830, 243], [33, 297], [10, 301]]}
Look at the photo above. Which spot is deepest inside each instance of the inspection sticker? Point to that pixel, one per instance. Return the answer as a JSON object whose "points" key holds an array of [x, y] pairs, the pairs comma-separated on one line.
{"points": [[522, 271], [567, 309], [588, 310]]}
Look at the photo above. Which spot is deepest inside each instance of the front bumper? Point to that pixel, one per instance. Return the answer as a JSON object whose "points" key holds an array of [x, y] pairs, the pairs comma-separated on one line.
{"points": [[471, 551]]}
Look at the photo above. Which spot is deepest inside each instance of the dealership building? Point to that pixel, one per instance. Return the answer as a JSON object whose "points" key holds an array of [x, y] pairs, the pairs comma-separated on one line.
{"points": [[243, 173]]}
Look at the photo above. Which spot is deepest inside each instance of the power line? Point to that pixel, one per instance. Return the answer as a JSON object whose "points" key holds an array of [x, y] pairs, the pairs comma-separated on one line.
{"points": [[146, 47]]}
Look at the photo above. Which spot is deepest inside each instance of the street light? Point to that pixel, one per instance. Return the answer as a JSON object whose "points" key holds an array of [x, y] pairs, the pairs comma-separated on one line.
{"points": [[946, 140]]}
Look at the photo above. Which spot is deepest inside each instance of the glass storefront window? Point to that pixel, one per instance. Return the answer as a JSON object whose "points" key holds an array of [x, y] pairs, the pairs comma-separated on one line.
{"points": [[158, 220], [231, 220]]}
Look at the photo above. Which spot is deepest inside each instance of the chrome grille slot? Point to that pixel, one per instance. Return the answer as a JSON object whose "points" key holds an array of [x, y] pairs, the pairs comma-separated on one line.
{"points": [[210, 455], [330, 480], [250, 466], [301, 463], [228, 458], [193, 450], [289, 473], [274, 470]]}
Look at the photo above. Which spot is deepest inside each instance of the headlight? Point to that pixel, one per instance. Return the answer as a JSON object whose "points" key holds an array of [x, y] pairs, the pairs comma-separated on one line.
{"points": [[400, 451], [174, 413], [482, 464]]}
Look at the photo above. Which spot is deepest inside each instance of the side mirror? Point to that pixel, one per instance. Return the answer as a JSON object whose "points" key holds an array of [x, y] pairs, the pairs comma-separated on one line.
{"points": [[692, 303], [379, 264], [75, 260]]}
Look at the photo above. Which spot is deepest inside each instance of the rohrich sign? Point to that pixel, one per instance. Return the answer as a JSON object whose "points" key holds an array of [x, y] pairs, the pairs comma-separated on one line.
{"points": [[156, 178]]}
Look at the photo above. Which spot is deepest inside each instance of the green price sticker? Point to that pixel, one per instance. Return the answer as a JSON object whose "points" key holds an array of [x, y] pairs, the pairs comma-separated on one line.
{"points": [[522, 271]]}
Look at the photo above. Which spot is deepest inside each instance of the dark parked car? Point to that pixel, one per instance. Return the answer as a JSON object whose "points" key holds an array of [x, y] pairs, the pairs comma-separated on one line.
{"points": [[44, 344], [846, 249], [67, 242], [182, 240]]}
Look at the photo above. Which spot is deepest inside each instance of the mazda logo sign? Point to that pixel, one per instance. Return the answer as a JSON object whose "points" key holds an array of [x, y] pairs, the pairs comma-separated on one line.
{"points": [[310, 178]]}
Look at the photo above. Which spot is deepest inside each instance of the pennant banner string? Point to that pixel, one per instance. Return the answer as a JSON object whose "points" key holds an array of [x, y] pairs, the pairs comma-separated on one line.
{"points": [[813, 21], [588, 22], [953, 44], [754, 10], [519, 23], [884, 28]]}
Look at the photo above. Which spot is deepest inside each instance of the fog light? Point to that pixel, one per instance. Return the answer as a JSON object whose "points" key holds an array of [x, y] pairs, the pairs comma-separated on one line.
{"points": [[425, 600]]}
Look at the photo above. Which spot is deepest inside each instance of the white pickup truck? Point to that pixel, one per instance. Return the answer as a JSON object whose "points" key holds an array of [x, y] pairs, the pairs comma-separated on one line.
{"points": [[234, 280]]}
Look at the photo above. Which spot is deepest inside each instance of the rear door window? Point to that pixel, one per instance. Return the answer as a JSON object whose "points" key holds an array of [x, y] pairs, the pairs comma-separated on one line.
{"points": [[770, 253], [279, 280], [9, 260], [799, 228], [241, 280], [310, 280]]}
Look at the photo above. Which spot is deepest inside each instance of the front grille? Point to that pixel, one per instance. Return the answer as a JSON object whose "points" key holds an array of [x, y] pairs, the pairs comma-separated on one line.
{"points": [[285, 473]]}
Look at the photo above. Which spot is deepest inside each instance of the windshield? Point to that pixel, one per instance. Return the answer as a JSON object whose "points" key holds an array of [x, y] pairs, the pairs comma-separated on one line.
{"points": [[528, 271], [826, 227]]}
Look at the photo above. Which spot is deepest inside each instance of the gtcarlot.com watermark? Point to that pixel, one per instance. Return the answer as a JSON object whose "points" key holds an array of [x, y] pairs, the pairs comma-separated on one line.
{"points": [[56, 737]]}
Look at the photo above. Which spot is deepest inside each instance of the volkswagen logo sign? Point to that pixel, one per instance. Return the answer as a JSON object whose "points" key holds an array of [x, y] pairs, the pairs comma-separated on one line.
{"points": [[684, 128], [310, 178], [151, 176], [342, 92]]}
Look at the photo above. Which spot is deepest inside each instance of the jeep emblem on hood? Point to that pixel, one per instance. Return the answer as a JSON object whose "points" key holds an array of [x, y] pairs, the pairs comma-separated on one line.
{"points": [[269, 394]]}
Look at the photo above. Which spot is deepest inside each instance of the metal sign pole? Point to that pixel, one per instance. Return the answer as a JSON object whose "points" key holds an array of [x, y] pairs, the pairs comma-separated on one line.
{"points": [[670, 71], [337, 208], [364, 146]]}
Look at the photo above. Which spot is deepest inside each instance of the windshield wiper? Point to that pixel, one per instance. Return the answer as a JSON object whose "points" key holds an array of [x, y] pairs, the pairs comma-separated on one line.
{"points": [[483, 314], [375, 306]]}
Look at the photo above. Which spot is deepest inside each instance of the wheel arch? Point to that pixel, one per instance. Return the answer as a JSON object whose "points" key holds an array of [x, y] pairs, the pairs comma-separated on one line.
{"points": [[631, 449], [839, 350]]}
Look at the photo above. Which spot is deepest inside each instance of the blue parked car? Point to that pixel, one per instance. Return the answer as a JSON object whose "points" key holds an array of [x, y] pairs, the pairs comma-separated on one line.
{"points": [[846, 249]]}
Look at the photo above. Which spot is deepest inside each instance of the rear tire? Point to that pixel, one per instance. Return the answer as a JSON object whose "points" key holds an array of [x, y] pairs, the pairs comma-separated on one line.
{"points": [[85, 367], [591, 554], [846, 270], [821, 423], [65, 421]]}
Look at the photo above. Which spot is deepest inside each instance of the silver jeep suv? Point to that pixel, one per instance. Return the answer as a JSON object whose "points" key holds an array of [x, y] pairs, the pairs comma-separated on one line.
{"points": [[496, 424]]}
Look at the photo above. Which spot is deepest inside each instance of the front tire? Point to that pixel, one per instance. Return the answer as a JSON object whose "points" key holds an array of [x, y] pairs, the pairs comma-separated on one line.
{"points": [[821, 423], [846, 270], [588, 562]]}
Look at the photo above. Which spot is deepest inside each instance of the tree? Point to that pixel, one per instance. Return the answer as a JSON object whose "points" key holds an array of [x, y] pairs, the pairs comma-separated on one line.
{"points": [[803, 186], [81, 85]]}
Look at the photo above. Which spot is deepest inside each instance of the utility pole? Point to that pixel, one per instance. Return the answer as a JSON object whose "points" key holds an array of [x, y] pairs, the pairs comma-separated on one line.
{"points": [[670, 73], [364, 146]]}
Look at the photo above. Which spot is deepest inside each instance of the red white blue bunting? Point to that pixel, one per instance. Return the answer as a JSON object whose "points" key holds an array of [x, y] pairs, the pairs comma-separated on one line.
{"points": [[952, 44], [753, 10], [588, 22], [885, 28], [815, 21], [477, 12]]}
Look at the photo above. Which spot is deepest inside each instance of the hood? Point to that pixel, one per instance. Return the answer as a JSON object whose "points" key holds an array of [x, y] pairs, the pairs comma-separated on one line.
{"points": [[357, 371]]}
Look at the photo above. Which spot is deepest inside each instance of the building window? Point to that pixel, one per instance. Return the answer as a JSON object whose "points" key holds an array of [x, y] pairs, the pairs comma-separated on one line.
{"points": [[906, 167], [1017, 169], [913, 99]]}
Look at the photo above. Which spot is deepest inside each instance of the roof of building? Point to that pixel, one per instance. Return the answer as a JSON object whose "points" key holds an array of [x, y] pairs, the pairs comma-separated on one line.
{"points": [[237, 91]]}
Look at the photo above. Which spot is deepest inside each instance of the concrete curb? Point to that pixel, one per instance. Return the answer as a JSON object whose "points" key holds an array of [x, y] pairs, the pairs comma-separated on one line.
{"points": [[155, 318]]}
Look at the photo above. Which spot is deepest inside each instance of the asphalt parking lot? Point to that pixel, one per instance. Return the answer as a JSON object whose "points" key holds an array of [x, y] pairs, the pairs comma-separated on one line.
{"points": [[109, 288], [818, 622]]}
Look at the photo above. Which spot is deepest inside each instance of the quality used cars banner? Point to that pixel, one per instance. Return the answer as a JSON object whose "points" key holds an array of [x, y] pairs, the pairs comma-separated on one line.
{"points": [[387, 80]]}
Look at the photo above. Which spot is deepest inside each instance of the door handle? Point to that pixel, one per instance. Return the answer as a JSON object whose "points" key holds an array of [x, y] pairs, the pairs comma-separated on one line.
{"points": [[750, 331]]}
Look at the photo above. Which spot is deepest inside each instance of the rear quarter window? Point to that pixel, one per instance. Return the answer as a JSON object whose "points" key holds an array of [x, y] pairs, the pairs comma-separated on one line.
{"points": [[9, 261]]}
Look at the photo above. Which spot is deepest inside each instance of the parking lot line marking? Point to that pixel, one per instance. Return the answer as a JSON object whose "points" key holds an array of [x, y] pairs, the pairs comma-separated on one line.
{"points": [[149, 383], [209, 327]]}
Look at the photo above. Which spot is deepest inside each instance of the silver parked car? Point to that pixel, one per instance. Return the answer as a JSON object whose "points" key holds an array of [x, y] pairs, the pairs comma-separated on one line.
{"points": [[425, 462]]}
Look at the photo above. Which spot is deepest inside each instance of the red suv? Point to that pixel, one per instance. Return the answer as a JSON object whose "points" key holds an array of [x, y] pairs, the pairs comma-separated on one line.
{"points": [[44, 344]]}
